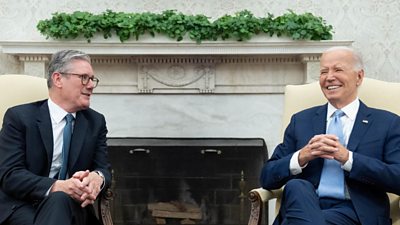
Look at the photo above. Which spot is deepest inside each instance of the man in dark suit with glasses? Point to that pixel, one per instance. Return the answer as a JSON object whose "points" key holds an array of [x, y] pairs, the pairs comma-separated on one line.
{"points": [[53, 153]]}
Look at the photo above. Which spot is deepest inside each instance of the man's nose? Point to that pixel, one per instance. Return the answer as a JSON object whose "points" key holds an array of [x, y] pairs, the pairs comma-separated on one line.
{"points": [[90, 84], [330, 76]]}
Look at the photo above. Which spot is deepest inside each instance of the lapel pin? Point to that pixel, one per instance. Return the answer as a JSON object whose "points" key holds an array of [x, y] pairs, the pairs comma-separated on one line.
{"points": [[365, 121]]}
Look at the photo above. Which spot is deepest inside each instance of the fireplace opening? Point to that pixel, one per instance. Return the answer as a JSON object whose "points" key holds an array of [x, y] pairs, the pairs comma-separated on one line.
{"points": [[184, 180]]}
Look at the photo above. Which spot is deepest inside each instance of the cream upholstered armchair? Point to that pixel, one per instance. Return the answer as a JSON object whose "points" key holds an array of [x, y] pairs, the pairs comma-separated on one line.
{"points": [[18, 89], [374, 93]]}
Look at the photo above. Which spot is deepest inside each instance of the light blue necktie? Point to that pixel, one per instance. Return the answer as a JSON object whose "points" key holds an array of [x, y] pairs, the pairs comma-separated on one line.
{"points": [[66, 144], [332, 177]]}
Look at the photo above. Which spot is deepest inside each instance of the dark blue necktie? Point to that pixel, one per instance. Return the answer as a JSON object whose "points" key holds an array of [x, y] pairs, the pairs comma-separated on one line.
{"points": [[66, 144], [332, 177]]}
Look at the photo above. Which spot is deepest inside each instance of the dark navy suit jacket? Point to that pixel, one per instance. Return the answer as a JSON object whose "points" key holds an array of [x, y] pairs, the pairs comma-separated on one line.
{"points": [[26, 150], [375, 143]]}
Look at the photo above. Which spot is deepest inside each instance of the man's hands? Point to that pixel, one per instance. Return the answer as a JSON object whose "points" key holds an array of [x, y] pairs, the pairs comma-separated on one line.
{"points": [[323, 146], [83, 186]]}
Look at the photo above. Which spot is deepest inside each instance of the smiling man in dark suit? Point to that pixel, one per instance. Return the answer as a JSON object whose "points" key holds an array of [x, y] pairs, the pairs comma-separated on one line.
{"points": [[53, 153], [338, 160]]}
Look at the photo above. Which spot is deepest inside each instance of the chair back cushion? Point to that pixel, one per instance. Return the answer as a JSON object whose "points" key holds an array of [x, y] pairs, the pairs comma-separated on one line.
{"points": [[374, 93], [17, 89]]}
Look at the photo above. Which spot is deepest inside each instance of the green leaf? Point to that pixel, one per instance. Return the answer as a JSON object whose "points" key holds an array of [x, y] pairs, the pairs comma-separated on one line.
{"points": [[240, 26]]}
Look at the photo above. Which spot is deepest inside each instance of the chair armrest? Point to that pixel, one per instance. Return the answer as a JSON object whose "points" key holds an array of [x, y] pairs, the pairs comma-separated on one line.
{"points": [[257, 198], [104, 207], [264, 194], [394, 208]]}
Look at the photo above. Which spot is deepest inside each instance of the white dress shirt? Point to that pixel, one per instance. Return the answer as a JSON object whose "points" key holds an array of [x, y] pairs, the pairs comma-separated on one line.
{"points": [[57, 115]]}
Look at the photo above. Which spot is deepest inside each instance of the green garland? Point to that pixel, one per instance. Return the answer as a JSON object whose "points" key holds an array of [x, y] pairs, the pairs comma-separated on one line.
{"points": [[241, 26]]}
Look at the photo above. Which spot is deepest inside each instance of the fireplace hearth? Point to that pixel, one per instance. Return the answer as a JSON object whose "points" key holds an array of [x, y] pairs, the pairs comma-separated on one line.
{"points": [[184, 180]]}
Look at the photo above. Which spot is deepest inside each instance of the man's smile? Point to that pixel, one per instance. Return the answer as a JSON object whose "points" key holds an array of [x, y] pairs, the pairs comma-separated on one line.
{"points": [[332, 87]]}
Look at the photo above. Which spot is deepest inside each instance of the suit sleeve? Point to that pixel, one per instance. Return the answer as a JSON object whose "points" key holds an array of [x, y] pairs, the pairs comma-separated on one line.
{"points": [[276, 172], [376, 162], [15, 179], [101, 162], [302, 127]]}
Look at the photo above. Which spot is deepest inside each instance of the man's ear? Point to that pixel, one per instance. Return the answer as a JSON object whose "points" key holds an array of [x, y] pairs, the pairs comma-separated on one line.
{"points": [[360, 77], [56, 79]]}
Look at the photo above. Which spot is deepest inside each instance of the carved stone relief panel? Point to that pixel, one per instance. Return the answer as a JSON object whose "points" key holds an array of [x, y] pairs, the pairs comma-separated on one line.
{"points": [[186, 75], [199, 74]]}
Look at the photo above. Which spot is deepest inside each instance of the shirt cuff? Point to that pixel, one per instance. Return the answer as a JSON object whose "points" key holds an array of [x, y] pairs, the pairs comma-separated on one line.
{"points": [[349, 163], [294, 165], [48, 191], [102, 176]]}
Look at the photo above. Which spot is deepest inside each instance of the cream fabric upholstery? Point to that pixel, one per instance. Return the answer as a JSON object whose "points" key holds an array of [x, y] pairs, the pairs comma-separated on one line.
{"points": [[17, 89], [372, 92]]}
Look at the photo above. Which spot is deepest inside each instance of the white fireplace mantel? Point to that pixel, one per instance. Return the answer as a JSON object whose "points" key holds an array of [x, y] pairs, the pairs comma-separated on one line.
{"points": [[164, 66]]}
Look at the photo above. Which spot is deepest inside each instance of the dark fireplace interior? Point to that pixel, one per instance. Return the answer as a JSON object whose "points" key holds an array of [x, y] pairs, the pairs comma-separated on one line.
{"points": [[184, 180]]}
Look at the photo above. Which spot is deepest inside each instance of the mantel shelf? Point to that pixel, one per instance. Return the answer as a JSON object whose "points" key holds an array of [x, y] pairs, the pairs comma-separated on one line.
{"points": [[154, 47], [157, 65]]}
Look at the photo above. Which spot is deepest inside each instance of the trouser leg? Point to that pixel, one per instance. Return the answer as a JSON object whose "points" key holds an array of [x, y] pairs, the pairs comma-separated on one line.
{"points": [[22, 216], [300, 204], [60, 209], [339, 212]]}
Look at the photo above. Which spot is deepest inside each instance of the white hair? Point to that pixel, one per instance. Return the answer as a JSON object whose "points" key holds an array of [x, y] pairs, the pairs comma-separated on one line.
{"points": [[358, 63]]}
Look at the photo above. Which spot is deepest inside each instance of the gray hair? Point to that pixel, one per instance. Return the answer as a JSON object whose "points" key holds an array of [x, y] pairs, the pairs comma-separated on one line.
{"points": [[61, 60], [358, 62]]}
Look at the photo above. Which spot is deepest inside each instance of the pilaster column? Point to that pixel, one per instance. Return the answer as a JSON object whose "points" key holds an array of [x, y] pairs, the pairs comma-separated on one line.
{"points": [[311, 67], [34, 65]]}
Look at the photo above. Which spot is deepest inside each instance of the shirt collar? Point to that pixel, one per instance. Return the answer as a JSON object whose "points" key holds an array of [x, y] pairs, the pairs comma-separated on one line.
{"points": [[350, 110], [56, 112]]}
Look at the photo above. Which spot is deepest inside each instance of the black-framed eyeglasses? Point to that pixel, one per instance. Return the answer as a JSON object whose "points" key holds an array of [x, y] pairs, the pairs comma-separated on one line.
{"points": [[85, 78]]}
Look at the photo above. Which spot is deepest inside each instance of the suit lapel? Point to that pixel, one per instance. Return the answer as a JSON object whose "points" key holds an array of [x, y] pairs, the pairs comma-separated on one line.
{"points": [[78, 138], [319, 120], [319, 126], [46, 130], [361, 125]]}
